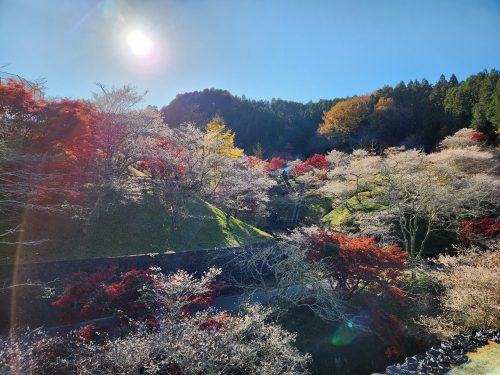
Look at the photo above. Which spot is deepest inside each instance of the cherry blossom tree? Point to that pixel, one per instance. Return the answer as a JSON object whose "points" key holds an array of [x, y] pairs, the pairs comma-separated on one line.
{"points": [[120, 136], [416, 194], [465, 137], [350, 175], [245, 189], [179, 340], [189, 163], [427, 193], [325, 271], [470, 299]]}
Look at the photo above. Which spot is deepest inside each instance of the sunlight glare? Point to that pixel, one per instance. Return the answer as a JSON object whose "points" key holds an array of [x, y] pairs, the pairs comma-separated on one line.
{"points": [[139, 43]]}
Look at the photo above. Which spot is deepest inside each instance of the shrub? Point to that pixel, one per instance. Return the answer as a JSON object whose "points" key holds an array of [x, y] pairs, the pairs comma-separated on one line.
{"points": [[479, 230], [357, 264], [342, 279], [104, 292], [471, 298], [181, 341]]}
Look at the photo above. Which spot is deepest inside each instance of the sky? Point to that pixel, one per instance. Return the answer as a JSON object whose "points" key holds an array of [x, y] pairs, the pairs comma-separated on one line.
{"points": [[292, 49]]}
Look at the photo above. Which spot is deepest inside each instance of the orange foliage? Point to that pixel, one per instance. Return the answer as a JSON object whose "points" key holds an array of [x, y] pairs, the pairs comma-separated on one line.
{"points": [[384, 105], [69, 128], [276, 163], [346, 115], [53, 143], [359, 264], [49, 126], [18, 113], [15, 99]]}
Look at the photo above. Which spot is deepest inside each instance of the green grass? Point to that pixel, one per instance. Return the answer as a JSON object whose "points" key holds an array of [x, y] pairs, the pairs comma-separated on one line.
{"points": [[207, 228], [339, 217], [135, 229], [312, 208]]}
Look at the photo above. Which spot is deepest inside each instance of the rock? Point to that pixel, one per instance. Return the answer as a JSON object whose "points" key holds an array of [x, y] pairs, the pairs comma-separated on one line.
{"points": [[393, 370], [470, 347], [424, 368], [439, 358], [413, 366], [458, 351], [418, 357], [444, 368], [460, 359], [435, 369], [480, 341]]}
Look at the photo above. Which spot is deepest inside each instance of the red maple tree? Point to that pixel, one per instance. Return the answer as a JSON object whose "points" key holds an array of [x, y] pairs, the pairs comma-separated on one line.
{"points": [[478, 229], [108, 292], [49, 143], [317, 161], [358, 264], [366, 276], [276, 163]]}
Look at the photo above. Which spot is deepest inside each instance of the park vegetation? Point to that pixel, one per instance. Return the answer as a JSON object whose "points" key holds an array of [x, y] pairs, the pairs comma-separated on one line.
{"points": [[416, 114], [80, 160], [394, 228], [169, 336]]}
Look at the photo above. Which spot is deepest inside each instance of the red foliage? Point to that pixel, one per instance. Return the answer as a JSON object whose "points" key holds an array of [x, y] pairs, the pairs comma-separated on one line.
{"points": [[63, 181], [478, 136], [105, 292], [90, 296], [478, 229], [17, 102], [317, 161], [54, 140], [389, 329], [172, 167], [276, 163], [358, 263], [197, 301], [216, 322], [255, 162], [144, 165], [89, 332], [68, 128], [363, 273]]}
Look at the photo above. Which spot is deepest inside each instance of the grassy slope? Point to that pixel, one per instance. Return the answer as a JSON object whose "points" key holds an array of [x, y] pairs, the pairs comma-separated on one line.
{"points": [[340, 216], [207, 228], [140, 229], [312, 208]]}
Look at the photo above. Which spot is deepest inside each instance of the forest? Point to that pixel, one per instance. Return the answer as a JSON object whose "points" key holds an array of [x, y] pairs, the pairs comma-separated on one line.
{"points": [[413, 114], [362, 222]]}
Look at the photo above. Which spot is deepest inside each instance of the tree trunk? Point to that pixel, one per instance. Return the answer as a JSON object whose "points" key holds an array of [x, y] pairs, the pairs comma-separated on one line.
{"points": [[173, 218]]}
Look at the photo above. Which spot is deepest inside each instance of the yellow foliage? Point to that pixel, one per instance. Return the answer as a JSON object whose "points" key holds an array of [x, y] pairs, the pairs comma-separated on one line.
{"points": [[221, 138], [385, 104], [346, 115]]}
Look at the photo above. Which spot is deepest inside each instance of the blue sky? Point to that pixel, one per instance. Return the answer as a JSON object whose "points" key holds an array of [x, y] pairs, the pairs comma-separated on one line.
{"points": [[294, 49]]}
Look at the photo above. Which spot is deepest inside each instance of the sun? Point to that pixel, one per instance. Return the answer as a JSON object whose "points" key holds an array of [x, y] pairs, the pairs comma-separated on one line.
{"points": [[139, 43]]}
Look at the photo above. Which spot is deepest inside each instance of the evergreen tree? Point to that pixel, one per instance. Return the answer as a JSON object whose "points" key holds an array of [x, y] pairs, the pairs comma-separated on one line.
{"points": [[258, 151], [453, 81]]}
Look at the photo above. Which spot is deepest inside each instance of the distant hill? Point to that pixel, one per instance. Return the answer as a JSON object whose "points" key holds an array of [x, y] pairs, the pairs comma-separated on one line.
{"points": [[277, 125], [419, 115]]}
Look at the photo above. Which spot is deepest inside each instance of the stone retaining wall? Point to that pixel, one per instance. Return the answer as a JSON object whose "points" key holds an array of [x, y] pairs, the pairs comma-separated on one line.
{"points": [[24, 305], [191, 261], [441, 358]]}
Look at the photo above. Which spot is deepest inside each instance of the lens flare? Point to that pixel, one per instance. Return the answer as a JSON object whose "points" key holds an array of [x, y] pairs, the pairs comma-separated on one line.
{"points": [[139, 43], [345, 334]]}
